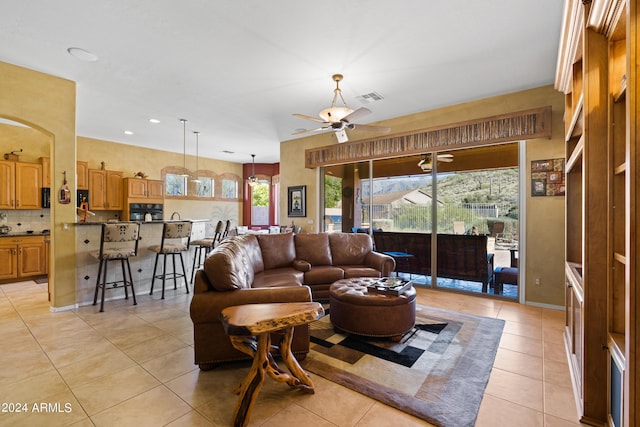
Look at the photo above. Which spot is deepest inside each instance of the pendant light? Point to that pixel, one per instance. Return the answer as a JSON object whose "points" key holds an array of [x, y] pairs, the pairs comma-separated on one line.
{"points": [[253, 179], [184, 147], [196, 178]]}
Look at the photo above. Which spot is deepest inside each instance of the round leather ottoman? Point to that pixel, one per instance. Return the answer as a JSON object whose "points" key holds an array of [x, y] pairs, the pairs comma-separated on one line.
{"points": [[353, 309]]}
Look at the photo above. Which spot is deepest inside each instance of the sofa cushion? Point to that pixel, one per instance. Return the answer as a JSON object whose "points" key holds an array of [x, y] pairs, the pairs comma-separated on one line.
{"points": [[313, 248], [349, 248], [278, 250], [252, 247], [352, 271], [286, 276], [323, 274], [229, 266]]}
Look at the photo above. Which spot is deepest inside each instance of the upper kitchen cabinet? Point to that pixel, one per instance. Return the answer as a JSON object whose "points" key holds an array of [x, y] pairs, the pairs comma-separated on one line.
{"points": [[105, 189], [151, 190], [82, 174], [21, 183]]}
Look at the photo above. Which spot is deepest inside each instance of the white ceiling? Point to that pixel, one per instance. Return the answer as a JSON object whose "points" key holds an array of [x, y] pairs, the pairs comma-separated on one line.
{"points": [[238, 69]]}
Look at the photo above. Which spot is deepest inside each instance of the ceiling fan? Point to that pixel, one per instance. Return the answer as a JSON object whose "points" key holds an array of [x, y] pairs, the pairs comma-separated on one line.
{"points": [[426, 163], [339, 119]]}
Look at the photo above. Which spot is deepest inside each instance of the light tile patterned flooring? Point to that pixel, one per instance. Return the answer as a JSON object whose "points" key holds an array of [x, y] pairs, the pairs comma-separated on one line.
{"points": [[133, 365]]}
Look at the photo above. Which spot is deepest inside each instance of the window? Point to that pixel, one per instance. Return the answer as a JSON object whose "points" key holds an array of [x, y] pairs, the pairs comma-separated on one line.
{"points": [[260, 203], [229, 189], [175, 185], [204, 187]]}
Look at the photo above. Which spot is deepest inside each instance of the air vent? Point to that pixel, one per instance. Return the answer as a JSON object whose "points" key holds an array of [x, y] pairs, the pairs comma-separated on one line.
{"points": [[369, 97]]}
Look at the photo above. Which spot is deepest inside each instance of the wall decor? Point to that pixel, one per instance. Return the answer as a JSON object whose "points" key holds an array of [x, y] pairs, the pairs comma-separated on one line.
{"points": [[297, 201], [547, 178]]}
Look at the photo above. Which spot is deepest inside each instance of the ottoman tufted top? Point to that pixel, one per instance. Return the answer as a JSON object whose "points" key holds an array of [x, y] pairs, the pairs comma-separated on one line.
{"points": [[354, 291]]}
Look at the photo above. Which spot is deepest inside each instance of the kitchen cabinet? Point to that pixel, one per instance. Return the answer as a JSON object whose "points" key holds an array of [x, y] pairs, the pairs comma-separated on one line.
{"points": [[105, 190], [22, 257], [151, 190], [20, 185], [82, 174]]}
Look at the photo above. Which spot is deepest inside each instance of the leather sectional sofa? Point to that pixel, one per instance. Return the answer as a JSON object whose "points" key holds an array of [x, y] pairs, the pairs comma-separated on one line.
{"points": [[265, 268]]}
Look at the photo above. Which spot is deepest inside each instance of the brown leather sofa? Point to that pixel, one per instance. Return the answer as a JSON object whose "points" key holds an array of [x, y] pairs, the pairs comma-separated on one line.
{"points": [[265, 268]]}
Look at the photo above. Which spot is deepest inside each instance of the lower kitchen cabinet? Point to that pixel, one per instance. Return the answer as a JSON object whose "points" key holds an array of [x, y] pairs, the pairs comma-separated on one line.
{"points": [[22, 257]]}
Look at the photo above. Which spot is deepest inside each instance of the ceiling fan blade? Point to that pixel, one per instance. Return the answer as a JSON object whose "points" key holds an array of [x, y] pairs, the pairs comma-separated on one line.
{"points": [[445, 155], [445, 160], [304, 116], [300, 132], [371, 128], [356, 114]]}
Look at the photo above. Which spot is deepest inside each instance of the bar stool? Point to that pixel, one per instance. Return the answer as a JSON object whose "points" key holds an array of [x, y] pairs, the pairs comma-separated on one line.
{"points": [[227, 228], [172, 244], [118, 242], [203, 247]]}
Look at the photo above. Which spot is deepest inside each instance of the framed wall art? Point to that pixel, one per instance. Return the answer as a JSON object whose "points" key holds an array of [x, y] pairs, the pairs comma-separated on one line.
{"points": [[297, 201], [547, 178]]}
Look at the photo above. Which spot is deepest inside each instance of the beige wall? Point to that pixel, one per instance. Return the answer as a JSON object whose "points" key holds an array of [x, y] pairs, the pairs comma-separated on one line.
{"points": [[545, 215], [48, 104]]}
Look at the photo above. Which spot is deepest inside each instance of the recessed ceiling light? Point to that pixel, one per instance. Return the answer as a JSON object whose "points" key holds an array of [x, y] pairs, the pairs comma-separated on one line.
{"points": [[82, 54], [128, 132], [154, 121]]}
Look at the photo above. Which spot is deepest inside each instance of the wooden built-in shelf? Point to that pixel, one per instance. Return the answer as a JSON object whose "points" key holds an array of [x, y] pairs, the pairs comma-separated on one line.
{"points": [[620, 258], [617, 345], [575, 126], [576, 155], [574, 275], [620, 169], [620, 95]]}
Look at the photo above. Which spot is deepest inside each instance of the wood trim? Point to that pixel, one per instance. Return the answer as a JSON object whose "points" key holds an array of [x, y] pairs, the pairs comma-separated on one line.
{"points": [[528, 124], [569, 50], [604, 16]]}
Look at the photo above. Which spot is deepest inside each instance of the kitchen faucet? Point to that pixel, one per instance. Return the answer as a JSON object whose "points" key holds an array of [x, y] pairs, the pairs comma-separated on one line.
{"points": [[174, 214]]}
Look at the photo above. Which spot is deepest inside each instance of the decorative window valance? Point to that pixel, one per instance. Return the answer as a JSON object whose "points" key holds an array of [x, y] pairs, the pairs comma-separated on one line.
{"points": [[529, 124]]}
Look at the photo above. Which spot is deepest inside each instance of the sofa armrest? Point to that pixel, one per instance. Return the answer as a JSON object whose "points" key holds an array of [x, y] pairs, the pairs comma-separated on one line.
{"points": [[206, 306], [301, 265], [381, 262]]}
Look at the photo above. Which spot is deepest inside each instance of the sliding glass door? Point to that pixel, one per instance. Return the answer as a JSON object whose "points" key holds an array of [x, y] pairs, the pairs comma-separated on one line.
{"points": [[459, 213]]}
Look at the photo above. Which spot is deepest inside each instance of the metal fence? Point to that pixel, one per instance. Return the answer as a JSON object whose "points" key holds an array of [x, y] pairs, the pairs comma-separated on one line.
{"points": [[408, 217]]}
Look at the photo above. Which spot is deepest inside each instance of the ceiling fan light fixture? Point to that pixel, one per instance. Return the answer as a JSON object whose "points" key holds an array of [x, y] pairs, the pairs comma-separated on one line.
{"points": [[334, 114]]}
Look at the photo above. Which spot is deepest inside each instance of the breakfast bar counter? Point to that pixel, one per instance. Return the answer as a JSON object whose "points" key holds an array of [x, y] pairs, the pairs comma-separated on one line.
{"points": [[88, 242]]}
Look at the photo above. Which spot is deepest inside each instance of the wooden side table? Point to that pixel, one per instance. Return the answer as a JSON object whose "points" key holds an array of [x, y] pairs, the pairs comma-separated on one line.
{"points": [[249, 327]]}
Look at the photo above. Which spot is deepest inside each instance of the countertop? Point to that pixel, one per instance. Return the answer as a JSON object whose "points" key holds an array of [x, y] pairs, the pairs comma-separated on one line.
{"points": [[145, 222], [24, 233]]}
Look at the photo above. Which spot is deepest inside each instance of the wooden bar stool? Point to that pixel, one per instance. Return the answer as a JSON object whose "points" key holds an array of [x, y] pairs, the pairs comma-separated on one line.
{"points": [[172, 244], [118, 242]]}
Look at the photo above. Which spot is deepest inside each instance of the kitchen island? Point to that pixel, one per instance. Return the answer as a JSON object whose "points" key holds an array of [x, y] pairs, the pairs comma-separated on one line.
{"points": [[88, 241]]}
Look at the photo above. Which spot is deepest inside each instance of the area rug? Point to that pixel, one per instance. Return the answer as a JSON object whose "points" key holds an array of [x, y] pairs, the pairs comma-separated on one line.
{"points": [[438, 371]]}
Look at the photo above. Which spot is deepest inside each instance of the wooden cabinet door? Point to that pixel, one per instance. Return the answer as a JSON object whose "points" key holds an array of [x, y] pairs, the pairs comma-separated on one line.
{"points": [[97, 189], [82, 175], [155, 189], [28, 184], [31, 258], [7, 184], [46, 172], [114, 191], [136, 187], [8, 261]]}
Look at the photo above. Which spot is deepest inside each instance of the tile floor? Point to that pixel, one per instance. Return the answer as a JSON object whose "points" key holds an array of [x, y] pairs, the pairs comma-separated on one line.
{"points": [[133, 365]]}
